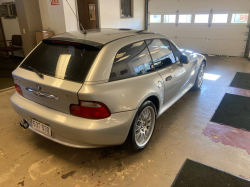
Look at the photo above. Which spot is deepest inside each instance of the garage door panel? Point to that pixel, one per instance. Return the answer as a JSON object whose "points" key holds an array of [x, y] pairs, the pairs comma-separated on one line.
{"points": [[228, 48], [214, 38], [215, 32], [180, 31], [197, 5], [191, 31], [195, 45], [228, 32], [166, 29]]}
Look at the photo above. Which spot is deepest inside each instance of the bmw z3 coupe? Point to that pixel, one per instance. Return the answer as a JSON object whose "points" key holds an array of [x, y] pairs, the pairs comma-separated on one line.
{"points": [[103, 88]]}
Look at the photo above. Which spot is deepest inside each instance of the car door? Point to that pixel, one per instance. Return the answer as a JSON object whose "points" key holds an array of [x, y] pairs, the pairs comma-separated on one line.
{"points": [[173, 73], [188, 68]]}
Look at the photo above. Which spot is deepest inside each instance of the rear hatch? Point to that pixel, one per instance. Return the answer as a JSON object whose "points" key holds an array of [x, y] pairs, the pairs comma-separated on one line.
{"points": [[62, 66]]}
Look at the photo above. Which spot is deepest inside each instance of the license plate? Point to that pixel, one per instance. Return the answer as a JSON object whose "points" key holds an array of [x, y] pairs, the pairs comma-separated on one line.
{"points": [[41, 127]]}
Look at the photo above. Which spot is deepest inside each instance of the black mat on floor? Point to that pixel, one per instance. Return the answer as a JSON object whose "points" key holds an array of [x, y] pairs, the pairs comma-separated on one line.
{"points": [[241, 80], [234, 111], [194, 174]]}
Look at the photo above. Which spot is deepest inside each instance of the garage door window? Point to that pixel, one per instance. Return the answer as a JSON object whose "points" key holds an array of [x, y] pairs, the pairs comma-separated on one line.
{"points": [[185, 18], [239, 18], [220, 18], [132, 60], [161, 53], [169, 18], [201, 18], [155, 18]]}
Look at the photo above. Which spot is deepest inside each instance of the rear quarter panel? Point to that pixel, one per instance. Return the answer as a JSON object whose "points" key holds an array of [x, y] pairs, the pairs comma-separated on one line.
{"points": [[124, 95]]}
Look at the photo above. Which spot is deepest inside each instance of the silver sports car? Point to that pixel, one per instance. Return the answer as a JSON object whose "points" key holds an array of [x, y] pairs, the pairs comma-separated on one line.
{"points": [[103, 88]]}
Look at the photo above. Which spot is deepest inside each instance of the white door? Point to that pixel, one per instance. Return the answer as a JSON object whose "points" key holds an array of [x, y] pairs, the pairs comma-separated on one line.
{"points": [[208, 27]]}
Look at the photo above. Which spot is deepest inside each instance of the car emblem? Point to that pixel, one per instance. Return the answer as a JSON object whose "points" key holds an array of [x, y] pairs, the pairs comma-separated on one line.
{"points": [[38, 87], [40, 93]]}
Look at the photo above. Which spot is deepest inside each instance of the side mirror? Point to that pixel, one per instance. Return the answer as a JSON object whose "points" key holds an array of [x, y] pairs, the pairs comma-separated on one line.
{"points": [[184, 59]]}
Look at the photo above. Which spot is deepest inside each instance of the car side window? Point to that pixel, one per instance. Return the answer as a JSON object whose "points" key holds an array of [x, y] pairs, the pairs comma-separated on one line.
{"points": [[176, 51], [130, 61], [161, 53]]}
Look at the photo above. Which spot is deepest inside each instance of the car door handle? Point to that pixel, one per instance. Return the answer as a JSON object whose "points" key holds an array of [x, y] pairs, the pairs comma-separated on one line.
{"points": [[169, 78]]}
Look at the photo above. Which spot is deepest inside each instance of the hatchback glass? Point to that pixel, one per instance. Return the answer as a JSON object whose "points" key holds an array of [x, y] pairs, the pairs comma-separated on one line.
{"points": [[63, 60]]}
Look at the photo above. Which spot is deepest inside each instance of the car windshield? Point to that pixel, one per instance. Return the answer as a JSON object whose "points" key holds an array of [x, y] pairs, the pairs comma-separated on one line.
{"points": [[63, 60]]}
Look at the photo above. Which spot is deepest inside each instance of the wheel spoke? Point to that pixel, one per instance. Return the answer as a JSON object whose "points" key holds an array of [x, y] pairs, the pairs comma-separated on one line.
{"points": [[141, 138], [138, 135], [144, 126], [137, 128]]}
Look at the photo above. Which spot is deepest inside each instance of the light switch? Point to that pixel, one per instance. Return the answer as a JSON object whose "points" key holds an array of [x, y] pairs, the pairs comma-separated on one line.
{"points": [[24, 32]]}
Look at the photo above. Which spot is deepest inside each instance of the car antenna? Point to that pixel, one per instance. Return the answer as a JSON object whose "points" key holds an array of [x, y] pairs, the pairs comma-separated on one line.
{"points": [[83, 30]]}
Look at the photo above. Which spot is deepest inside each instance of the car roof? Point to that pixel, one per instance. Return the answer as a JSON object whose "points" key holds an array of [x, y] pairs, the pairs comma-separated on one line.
{"points": [[98, 37]]}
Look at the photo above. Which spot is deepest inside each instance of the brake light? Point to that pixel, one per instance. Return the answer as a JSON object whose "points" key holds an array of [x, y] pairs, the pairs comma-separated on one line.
{"points": [[18, 89], [90, 110]]}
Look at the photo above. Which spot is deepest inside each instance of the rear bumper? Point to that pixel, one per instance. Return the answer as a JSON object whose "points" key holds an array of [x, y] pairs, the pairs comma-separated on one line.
{"points": [[75, 131]]}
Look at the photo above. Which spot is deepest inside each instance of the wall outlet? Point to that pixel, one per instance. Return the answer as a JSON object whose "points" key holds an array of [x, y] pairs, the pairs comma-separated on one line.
{"points": [[24, 32]]}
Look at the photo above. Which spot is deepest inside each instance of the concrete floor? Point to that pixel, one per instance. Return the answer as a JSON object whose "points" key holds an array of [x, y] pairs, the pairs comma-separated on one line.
{"points": [[27, 159]]}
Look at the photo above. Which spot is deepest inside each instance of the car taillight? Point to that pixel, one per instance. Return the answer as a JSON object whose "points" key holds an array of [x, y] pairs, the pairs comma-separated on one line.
{"points": [[18, 89], [90, 110]]}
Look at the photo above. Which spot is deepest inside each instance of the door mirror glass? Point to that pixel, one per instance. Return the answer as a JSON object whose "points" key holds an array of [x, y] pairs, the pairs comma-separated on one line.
{"points": [[184, 59]]}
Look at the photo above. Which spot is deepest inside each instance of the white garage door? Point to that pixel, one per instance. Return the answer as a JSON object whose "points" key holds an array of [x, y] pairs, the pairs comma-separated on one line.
{"points": [[217, 27]]}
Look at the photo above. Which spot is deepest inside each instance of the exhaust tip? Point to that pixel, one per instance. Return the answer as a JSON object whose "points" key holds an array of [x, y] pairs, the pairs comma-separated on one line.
{"points": [[24, 124]]}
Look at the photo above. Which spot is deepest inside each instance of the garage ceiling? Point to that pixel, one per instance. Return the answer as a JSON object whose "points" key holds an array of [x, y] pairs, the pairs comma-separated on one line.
{"points": [[209, 37]]}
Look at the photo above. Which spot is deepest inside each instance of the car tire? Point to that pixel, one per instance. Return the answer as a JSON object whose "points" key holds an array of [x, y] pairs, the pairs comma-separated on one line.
{"points": [[142, 128], [199, 78]]}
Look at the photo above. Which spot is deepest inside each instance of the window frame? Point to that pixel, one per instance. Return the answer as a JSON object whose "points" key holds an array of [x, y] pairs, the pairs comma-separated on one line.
{"points": [[185, 15], [239, 22], [169, 15], [132, 10], [155, 15], [201, 22], [144, 40], [169, 46], [212, 19], [171, 43]]}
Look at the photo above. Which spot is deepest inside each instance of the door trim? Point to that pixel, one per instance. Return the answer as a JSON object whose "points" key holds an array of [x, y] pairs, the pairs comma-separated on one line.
{"points": [[146, 15]]}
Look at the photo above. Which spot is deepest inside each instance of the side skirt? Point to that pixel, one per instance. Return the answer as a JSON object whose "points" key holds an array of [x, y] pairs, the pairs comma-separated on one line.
{"points": [[170, 103]]}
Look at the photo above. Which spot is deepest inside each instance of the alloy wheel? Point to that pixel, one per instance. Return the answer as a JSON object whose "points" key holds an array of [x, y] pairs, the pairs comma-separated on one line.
{"points": [[201, 75], [145, 126]]}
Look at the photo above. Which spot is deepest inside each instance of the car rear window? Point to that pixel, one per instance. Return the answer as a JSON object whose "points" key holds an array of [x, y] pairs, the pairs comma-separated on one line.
{"points": [[63, 60]]}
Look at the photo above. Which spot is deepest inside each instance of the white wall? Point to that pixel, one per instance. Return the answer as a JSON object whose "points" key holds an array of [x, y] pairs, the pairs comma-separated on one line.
{"points": [[58, 18], [70, 18], [52, 16], [11, 27], [110, 15]]}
